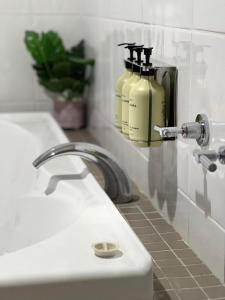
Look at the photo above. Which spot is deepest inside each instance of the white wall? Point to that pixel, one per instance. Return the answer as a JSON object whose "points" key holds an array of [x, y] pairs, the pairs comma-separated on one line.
{"points": [[19, 90], [190, 35], [185, 33]]}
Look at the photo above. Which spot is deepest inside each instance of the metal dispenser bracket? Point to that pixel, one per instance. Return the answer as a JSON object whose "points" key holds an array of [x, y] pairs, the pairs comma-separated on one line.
{"points": [[166, 76]]}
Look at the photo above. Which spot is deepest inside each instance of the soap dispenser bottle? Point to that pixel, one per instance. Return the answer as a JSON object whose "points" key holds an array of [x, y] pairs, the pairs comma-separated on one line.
{"points": [[146, 107], [119, 84], [127, 88]]}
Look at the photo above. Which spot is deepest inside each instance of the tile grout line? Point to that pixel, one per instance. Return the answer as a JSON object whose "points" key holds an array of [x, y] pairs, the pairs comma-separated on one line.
{"points": [[150, 252], [178, 259]]}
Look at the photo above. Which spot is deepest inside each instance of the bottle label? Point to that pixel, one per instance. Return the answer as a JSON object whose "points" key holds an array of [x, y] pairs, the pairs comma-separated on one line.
{"points": [[118, 111], [145, 111], [125, 115], [138, 118]]}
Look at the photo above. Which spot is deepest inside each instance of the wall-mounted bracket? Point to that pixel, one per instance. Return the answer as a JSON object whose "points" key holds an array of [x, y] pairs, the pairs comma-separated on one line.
{"points": [[167, 77]]}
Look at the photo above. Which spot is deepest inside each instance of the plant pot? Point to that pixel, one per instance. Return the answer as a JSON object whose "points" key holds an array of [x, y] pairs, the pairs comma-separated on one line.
{"points": [[70, 115]]}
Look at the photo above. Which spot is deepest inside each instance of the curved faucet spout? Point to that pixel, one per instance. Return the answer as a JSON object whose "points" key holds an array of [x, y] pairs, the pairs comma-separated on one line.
{"points": [[117, 184]]}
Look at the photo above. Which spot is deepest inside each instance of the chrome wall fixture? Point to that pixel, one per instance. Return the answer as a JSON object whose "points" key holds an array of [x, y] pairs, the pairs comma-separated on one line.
{"points": [[198, 130], [208, 158]]}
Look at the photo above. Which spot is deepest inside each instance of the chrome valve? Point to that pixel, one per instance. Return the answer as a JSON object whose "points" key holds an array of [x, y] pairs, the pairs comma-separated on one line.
{"points": [[198, 130], [208, 157]]}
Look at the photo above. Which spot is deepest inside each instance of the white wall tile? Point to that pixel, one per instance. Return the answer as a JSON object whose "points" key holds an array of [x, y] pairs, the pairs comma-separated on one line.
{"points": [[15, 66], [176, 13], [57, 6], [9, 7], [207, 239], [130, 10], [207, 189], [209, 15], [181, 215], [104, 8], [207, 82]]}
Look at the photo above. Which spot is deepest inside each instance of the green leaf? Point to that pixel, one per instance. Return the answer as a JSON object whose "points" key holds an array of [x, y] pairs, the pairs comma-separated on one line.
{"points": [[78, 50], [82, 61], [62, 69], [33, 44], [41, 71], [45, 47], [53, 46]]}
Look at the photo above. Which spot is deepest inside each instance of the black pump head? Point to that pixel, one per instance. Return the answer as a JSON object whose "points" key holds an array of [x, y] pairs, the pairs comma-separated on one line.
{"points": [[137, 63], [138, 50], [147, 68], [130, 46], [147, 53]]}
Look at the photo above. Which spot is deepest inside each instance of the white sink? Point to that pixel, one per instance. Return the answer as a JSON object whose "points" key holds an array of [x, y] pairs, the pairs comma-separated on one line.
{"points": [[46, 240]]}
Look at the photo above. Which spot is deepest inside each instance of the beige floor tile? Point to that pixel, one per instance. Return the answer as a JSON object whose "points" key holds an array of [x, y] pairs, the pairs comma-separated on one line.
{"points": [[175, 271], [207, 280], [165, 295], [191, 294], [161, 284], [183, 282], [162, 255], [129, 210], [171, 236], [134, 217], [156, 246], [144, 230], [199, 270], [169, 262], [184, 253], [215, 292]]}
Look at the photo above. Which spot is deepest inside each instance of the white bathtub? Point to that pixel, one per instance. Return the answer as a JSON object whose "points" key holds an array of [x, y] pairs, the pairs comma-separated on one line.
{"points": [[46, 240]]}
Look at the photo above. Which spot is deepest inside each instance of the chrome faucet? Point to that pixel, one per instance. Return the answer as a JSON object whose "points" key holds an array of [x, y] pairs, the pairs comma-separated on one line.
{"points": [[117, 184]]}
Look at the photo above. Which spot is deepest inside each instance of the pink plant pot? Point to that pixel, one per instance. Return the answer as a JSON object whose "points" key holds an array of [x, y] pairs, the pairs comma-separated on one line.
{"points": [[70, 115]]}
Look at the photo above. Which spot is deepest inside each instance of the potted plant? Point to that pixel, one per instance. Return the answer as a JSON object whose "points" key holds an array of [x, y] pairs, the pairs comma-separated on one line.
{"points": [[63, 74]]}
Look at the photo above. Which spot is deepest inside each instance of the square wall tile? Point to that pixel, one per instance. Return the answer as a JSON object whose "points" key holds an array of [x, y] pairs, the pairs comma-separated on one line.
{"points": [[182, 165], [175, 13], [128, 10], [207, 76], [173, 47], [12, 7], [90, 7], [180, 220], [209, 15], [57, 6], [69, 30], [16, 83], [206, 238]]}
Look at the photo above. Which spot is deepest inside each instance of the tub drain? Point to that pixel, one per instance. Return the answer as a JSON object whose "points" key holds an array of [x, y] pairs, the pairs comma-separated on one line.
{"points": [[106, 249]]}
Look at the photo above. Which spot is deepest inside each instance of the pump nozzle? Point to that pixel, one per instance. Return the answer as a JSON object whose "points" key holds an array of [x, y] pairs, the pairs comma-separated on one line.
{"points": [[138, 50], [126, 44], [130, 59], [132, 48], [129, 46], [147, 53]]}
